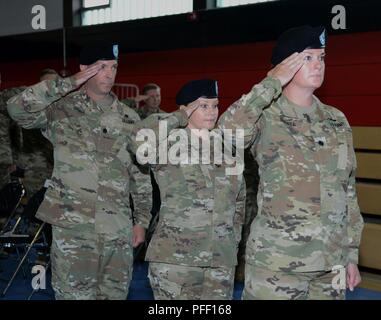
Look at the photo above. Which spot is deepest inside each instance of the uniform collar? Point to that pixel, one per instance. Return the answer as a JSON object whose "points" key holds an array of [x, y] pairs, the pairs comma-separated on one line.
{"points": [[289, 109], [149, 110], [88, 105]]}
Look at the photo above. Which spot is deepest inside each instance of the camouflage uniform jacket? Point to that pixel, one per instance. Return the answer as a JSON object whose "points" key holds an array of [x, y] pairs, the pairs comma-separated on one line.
{"points": [[28, 149], [202, 208], [93, 173], [308, 217], [143, 111]]}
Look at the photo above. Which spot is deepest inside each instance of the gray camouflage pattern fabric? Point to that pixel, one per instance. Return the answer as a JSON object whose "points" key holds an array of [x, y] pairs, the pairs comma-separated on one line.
{"points": [[93, 176], [89, 266], [308, 216], [200, 221], [93, 172], [143, 111], [6, 124], [28, 149], [251, 177], [175, 282], [202, 208], [265, 284], [36, 161]]}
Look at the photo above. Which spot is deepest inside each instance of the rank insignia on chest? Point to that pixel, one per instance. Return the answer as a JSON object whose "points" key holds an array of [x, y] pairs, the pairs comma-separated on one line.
{"points": [[289, 121], [336, 124]]}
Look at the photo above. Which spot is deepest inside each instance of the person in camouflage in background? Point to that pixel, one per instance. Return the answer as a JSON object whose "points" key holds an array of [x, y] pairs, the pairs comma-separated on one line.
{"points": [[10, 134], [193, 251], [151, 97], [87, 200], [8, 130], [308, 225], [27, 149], [35, 152]]}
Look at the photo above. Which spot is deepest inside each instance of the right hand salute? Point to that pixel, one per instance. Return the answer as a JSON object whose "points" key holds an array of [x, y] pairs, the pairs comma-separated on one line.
{"points": [[141, 98], [190, 109], [286, 70], [84, 75]]}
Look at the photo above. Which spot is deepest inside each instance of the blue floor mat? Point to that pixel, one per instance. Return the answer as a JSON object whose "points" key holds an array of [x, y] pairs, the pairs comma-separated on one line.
{"points": [[139, 290]]}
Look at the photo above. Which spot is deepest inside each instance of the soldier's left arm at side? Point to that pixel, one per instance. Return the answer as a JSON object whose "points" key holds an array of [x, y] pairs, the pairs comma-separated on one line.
{"points": [[140, 184]]}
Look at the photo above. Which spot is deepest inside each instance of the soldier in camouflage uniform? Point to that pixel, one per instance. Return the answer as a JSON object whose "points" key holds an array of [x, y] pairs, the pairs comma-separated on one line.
{"points": [[87, 200], [151, 97], [35, 152], [193, 252], [10, 134], [308, 221], [28, 149], [35, 155], [8, 129]]}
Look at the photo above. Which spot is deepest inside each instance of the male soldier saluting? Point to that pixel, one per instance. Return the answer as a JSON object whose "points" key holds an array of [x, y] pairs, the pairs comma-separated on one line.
{"points": [[308, 218], [151, 98], [87, 201]]}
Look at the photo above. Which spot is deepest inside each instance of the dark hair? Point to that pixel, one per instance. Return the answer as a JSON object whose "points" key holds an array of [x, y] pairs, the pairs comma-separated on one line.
{"points": [[150, 86]]}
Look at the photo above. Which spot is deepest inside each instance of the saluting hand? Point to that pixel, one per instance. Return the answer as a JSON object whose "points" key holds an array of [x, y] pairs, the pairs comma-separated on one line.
{"points": [[140, 98], [190, 108], [286, 70], [84, 75]]}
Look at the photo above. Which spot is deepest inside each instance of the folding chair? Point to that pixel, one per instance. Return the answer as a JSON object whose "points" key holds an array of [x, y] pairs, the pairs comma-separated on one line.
{"points": [[47, 266], [11, 196], [27, 241]]}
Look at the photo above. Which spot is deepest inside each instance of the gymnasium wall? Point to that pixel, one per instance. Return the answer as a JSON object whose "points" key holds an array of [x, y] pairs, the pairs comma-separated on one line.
{"points": [[352, 83]]}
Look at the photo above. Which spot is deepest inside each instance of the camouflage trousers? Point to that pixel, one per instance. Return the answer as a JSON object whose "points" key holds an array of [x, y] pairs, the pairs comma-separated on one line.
{"points": [[265, 284], [175, 282], [250, 214], [88, 266]]}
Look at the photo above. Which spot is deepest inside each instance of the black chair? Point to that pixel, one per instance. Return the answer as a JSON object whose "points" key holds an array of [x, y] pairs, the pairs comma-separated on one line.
{"points": [[41, 235], [11, 196]]}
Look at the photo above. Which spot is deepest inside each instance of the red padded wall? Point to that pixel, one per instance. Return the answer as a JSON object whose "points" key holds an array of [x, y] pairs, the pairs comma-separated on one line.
{"points": [[352, 74]]}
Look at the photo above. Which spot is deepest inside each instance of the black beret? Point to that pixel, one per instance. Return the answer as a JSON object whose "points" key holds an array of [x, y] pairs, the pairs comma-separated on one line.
{"points": [[191, 91], [91, 54], [298, 39]]}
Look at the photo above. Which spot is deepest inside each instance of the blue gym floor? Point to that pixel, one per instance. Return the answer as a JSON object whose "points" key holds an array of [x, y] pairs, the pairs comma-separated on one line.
{"points": [[140, 288]]}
